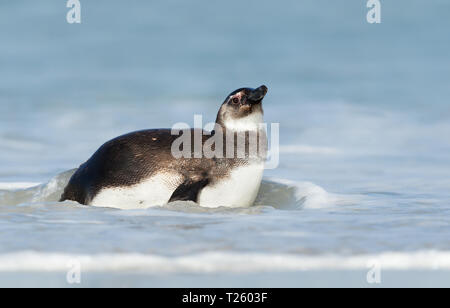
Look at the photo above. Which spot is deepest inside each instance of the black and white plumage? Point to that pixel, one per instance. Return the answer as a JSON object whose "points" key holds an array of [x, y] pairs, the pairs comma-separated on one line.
{"points": [[138, 170]]}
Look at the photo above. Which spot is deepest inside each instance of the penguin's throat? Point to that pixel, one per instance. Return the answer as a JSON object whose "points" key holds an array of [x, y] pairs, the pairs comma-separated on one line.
{"points": [[252, 123]]}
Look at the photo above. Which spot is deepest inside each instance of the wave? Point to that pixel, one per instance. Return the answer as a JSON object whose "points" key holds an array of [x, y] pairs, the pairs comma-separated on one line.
{"points": [[48, 192], [287, 194], [274, 192], [221, 262], [17, 185]]}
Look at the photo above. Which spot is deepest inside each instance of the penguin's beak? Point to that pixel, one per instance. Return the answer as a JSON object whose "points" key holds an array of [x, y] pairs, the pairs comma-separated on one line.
{"points": [[257, 95]]}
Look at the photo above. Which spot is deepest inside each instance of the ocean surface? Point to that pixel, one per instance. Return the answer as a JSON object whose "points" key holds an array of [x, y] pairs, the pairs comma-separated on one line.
{"points": [[364, 116]]}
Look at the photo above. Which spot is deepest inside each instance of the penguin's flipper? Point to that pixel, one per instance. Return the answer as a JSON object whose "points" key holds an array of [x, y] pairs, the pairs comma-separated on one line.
{"points": [[189, 190]]}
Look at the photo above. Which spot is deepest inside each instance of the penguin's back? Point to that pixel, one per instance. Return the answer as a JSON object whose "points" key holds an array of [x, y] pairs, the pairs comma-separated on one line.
{"points": [[133, 162]]}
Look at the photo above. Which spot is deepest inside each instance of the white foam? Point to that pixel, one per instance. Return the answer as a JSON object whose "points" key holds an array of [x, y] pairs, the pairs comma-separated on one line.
{"points": [[17, 185], [311, 195], [221, 262]]}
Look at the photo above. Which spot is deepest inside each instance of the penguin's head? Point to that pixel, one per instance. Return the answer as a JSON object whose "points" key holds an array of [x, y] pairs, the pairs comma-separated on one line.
{"points": [[242, 109]]}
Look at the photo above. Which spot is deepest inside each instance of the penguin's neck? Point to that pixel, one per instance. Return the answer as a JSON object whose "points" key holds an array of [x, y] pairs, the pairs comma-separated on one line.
{"points": [[250, 123], [245, 135]]}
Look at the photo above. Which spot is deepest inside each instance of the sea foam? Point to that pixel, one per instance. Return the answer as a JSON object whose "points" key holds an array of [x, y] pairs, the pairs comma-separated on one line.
{"points": [[216, 262]]}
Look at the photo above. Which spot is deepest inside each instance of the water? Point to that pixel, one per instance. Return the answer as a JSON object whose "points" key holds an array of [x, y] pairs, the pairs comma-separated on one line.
{"points": [[365, 136]]}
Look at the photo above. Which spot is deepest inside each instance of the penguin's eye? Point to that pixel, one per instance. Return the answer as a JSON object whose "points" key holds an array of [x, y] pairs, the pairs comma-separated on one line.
{"points": [[235, 100]]}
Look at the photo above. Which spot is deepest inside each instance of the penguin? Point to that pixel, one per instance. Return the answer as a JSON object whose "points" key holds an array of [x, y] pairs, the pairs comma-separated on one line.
{"points": [[139, 170]]}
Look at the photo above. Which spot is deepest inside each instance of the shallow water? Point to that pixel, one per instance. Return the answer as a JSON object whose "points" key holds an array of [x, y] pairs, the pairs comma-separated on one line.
{"points": [[364, 120]]}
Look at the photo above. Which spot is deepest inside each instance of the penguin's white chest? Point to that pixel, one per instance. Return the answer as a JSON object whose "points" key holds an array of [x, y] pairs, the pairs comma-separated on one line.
{"points": [[239, 189]]}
